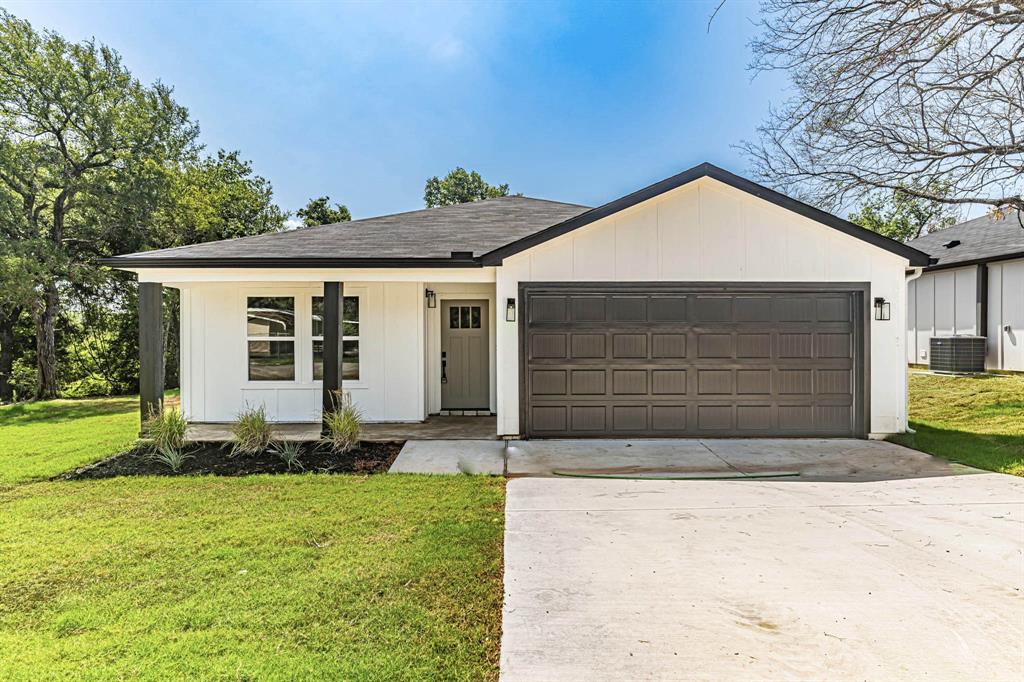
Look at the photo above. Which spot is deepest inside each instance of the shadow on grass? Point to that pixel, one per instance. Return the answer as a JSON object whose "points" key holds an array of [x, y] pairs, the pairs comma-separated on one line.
{"points": [[61, 410], [992, 452]]}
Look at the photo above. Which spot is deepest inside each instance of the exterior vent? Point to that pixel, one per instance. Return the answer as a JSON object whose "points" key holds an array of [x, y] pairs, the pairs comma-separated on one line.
{"points": [[957, 354], [951, 243], [462, 255]]}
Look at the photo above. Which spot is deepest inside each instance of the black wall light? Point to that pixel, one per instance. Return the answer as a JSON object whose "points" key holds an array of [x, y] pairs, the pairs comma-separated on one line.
{"points": [[431, 299], [510, 310], [881, 309]]}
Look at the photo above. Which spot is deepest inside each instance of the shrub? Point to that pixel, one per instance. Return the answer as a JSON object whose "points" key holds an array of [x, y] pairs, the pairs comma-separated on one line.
{"points": [[252, 432], [343, 424], [289, 451], [167, 429], [88, 386], [173, 458]]}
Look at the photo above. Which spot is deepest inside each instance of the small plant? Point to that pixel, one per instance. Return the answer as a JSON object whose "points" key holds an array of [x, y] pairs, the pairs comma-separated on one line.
{"points": [[172, 458], [252, 432], [289, 451], [342, 424], [167, 429]]}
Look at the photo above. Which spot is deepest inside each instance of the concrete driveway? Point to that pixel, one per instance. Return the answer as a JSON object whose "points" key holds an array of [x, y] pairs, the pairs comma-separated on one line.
{"points": [[917, 573]]}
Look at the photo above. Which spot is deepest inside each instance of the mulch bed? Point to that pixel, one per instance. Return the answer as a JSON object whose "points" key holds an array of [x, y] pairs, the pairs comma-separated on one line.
{"points": [[216, 459]]}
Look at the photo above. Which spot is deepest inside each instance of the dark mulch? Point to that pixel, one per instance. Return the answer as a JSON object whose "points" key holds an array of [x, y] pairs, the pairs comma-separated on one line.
{"points": [[216, 459]]}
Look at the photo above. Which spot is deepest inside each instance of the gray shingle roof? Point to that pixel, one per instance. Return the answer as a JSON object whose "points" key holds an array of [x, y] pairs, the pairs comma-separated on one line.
{"points": [[432, 233], [981, 239]]}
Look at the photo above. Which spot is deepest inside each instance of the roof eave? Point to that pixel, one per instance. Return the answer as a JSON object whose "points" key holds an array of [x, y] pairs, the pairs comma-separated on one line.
{"points": [[974, 261], [129, 263]]}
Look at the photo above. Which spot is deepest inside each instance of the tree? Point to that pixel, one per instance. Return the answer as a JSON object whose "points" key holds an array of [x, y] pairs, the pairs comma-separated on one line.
{"points": [[458, 187], [898, 95], [903, 216], [320, 212], [70, 117]]}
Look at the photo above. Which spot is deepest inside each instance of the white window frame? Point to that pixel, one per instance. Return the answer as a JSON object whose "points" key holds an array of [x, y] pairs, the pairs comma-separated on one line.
{"points": [[312, 339]]}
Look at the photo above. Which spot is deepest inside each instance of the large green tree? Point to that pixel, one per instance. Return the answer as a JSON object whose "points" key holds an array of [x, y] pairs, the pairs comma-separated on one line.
{"points": [[458, 187], [72, 116], [904, 216], [320, 212]]}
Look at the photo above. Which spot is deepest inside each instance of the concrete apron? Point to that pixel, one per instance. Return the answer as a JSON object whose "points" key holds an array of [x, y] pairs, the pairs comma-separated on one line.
{"points": [[914, 577], [812, 459]]}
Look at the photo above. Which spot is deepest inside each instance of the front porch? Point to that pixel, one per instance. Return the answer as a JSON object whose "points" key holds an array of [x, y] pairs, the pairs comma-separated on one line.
{"points": [[433, 428]]}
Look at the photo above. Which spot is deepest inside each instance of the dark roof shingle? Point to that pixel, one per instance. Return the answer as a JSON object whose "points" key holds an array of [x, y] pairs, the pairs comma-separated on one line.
{"points": [[431, 233], [981, 239]]}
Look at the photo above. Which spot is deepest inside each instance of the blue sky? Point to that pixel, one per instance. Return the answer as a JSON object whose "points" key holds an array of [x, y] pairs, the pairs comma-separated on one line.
{"points": [[578, 102]]}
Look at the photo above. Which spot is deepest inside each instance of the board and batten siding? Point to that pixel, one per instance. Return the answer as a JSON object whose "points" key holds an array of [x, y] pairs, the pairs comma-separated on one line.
{"points": [[1005, 346], [942, 303], [214, 371], [945, 303], [707, 231]]}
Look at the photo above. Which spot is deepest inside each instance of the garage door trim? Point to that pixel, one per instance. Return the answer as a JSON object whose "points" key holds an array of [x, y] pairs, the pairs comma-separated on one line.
{"points": [[861, 292]]}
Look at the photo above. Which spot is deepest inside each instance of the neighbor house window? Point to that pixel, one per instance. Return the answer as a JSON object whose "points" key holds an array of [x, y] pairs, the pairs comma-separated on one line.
{"points": [[349, 342], [270, 328]]}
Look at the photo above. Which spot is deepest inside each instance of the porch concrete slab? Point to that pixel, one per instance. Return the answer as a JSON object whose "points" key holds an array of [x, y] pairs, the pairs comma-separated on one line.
{"points": [[910, 578], [442, 427], [221, 433], [450, 457]]}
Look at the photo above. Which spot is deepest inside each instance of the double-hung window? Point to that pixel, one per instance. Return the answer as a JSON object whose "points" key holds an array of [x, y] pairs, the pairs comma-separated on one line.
{"points": [[270, 331], [349, 343]]}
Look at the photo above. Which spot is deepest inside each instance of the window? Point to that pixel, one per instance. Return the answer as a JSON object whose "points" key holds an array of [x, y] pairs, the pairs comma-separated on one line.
{"points": [[464, 317], [270, 328], [349, 343]]}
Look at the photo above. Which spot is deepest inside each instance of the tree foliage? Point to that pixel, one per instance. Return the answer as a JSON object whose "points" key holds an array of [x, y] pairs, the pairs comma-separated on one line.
{"points": [[895, 95], [94, 163], [458, 187], [320, 212], [903, 216]]}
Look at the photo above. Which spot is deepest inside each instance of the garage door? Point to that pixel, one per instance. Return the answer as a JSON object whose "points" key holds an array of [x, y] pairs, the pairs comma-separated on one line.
{"points": [[661, 361]]}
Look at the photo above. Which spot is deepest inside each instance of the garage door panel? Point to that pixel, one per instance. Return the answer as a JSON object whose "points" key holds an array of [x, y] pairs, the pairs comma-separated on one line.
{"points": [[633, 363]]}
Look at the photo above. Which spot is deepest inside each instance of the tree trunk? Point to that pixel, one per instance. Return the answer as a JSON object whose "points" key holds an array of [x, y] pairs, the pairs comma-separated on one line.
{"points": [[7, 353], [46, 347]]}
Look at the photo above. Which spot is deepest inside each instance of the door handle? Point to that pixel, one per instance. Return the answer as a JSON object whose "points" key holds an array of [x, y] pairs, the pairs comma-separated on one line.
{"points": [[444, 368]]}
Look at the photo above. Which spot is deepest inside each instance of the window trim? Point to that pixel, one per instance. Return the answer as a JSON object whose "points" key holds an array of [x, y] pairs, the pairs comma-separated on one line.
{"points": [[357, 338]]}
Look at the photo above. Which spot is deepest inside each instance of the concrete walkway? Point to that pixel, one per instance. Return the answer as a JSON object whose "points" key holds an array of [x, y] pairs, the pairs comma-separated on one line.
{"points": [[907, 578]]}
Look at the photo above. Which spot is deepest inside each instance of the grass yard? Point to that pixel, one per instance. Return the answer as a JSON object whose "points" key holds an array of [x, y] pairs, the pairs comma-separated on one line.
{"points": [[40, 440], [293, 576], [262, 577], [978, 421]]}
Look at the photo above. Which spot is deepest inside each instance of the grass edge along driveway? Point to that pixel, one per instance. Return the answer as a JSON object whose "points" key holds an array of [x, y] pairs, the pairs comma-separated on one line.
{"points": [[974, 420]]}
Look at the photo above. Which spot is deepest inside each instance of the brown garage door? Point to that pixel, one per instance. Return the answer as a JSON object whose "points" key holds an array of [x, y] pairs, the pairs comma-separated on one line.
{"points": [[605, 360]]}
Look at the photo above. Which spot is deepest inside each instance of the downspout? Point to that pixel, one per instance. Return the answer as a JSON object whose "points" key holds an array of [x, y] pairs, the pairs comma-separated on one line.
{"points": [[913, 274]]}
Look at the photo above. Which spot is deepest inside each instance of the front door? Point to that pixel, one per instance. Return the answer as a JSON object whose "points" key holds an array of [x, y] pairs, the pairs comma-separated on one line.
{"points": [[464, 356]]}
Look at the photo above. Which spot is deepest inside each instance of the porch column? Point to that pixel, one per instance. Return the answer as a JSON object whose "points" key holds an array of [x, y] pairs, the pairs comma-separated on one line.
{"points": [[151, 349], [333, 297]]}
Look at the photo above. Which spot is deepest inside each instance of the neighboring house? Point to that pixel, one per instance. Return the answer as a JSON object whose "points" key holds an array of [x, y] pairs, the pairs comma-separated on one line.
{"points": [[975, 287], [703, 305]]}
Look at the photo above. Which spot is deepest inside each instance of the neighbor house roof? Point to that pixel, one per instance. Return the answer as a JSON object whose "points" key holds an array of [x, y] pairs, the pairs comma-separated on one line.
{"points": [[465, 235], [976, 241]]}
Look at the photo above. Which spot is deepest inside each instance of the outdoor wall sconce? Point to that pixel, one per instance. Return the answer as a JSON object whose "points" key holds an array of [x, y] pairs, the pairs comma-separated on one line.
{"points": [[881, 309], [510, 310], [431, 299]]}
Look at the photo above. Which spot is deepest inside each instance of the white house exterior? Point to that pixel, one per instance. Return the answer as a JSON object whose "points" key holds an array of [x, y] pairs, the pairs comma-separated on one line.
{"points": [[702, 305], [975, 287]]}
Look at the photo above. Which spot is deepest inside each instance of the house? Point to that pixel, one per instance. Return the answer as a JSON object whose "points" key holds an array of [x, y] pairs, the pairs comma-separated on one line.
{"points": [[976, 287], [702, 305]]}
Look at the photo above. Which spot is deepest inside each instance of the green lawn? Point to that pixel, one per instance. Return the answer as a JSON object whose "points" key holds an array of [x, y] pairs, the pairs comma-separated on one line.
{"points": [[40, 440], [978, 421], [304, 576]]}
